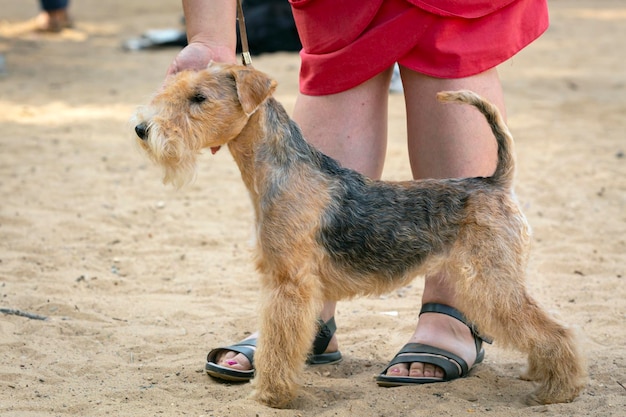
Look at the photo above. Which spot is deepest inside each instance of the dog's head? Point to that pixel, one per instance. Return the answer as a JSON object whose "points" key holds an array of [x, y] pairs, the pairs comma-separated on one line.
{"points": [[197, 110]]}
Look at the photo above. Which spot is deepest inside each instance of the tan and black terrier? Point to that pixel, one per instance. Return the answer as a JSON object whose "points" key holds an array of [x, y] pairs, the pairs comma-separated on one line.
{"points": [[325, 232]]}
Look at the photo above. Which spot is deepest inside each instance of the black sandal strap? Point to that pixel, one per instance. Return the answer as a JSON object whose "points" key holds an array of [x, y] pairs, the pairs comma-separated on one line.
{"points": [[325, 332], [453, 312]]}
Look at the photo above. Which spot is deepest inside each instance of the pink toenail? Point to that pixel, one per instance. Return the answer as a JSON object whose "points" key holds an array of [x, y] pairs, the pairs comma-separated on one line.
{"points": [[232, 362]]}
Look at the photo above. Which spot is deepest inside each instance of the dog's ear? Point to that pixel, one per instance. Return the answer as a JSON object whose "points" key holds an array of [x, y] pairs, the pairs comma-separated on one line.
{"points": [[253, 87]]}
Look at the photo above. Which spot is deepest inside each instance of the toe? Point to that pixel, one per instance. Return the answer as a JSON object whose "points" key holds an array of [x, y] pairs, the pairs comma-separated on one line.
{"points": [[400, 369], [429, 370], [225, 357], [417, 370], [425, 370], [234, 360]]}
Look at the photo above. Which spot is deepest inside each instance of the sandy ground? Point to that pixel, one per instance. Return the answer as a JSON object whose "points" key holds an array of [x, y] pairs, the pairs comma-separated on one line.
{"points": [[138, 281]]}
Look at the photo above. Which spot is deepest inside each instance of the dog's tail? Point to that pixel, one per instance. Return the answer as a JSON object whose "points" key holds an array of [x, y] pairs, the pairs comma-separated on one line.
{"points": [[505, 170]]}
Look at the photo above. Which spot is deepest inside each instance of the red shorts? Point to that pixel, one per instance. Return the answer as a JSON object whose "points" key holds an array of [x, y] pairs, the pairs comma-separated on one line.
{"points": [[347, 42]]}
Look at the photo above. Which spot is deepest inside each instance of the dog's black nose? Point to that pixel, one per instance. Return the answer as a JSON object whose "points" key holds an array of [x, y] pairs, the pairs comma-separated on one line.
{"points": [[142, 131]]}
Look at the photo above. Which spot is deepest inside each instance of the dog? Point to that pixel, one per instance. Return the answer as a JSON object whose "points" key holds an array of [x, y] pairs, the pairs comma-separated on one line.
{"points": [[325, 232]]}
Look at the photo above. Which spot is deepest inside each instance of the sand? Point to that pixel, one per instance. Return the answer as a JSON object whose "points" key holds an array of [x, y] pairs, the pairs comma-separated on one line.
{"points": [[138, 281]]}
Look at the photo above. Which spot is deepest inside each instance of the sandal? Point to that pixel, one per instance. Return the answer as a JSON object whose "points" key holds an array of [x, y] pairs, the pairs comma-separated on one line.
{"points": [[248, 346], [453, 366]]}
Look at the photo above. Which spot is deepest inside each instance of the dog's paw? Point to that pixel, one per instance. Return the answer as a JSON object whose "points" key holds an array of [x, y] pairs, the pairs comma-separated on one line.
{"points": [[272, 399]]}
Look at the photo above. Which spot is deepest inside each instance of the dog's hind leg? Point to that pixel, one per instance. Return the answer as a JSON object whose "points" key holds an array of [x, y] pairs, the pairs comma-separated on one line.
{"points": [[491, 293], [553, 358]]}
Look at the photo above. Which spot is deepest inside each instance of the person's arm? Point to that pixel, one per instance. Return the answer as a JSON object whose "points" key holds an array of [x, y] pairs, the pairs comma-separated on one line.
{"points": [[210, 33]]}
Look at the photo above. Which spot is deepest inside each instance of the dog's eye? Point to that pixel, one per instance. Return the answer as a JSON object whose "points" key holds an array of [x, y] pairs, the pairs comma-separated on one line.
{"points": [[198, 98]]}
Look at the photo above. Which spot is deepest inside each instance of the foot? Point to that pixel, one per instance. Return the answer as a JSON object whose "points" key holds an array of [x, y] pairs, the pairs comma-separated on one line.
{"points": [[239, 362], [53, 21], [235, 360], [443, 332]]}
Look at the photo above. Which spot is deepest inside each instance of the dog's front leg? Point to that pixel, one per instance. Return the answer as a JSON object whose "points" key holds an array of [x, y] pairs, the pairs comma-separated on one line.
{"points": [[289, 307]]}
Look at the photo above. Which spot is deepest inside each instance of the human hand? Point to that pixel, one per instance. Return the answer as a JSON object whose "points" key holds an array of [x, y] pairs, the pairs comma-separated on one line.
{"points": [[197, 55]]}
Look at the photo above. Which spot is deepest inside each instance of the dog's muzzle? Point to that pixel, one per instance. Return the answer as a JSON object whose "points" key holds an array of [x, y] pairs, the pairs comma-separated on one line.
{"points": [[142, 131]]}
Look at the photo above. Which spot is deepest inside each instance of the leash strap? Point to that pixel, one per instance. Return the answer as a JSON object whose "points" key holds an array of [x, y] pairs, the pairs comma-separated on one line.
{"points": [[245, 52]]}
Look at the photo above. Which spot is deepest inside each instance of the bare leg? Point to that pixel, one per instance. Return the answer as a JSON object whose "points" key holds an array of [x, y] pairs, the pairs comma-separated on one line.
{"points": [[446, 142], [351, 127]]}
